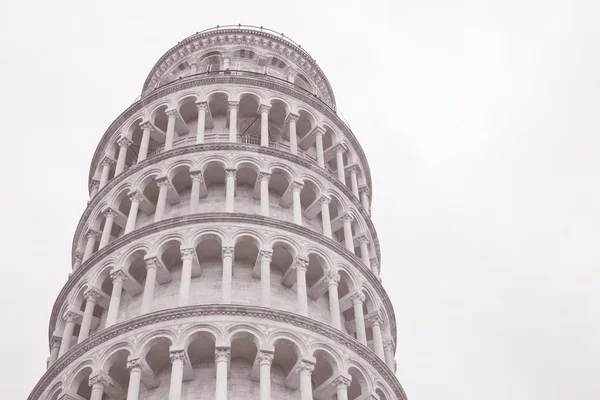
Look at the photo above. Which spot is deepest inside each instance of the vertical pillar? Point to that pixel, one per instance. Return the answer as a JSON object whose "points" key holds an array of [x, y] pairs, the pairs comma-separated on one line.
{"points": [[341, 385], [293, 118], [193, 69], [375, 267], [348, 240], [202, 106], [339, 159], [333, 281], [326, 220], [265, 360], [265, 277], [364, 250], [91, 296], [227, 274], [222, 361], [229, 189], [234, 106], [354, 180], [197, 180], [109, 217], [91, 236], [319, 144], [148, 295], [172, 115], [296, 205], [95, 187], [163, 188], [364, 198], [78, 258], [117, 277], [124, 144], [97, 383], [376, 321], [305, 371], [301, 265], [187, 257], [264, 177], [136, 198], [359, 318], [388, 350], [147, 129], [178, 360], [67, 336], [135, 376], [54, 349], [106, 163], [264, 124]]}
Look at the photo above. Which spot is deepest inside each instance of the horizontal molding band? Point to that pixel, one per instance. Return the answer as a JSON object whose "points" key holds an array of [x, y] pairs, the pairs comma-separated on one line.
{"points": [[223, 217], [229, 147], [192, 82], [208, 310]]}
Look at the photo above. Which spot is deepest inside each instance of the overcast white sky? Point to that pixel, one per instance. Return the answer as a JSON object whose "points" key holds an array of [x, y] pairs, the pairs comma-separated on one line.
{"points": [[480, 121]]}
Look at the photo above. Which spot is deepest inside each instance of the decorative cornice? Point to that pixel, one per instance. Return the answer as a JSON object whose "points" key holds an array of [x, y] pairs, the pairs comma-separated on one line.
{"points": [[211, 218], [195, 81]]}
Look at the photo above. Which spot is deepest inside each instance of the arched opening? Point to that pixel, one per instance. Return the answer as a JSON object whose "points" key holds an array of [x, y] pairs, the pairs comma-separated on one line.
{"points": [[281, 261], [249, 119], [247, 189], [217, 121], [244, 262]]}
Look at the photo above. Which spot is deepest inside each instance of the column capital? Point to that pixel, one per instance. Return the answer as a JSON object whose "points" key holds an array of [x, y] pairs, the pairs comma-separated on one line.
{"points": [[91, 233], [297, 186], [147, 126], [222, 354], [164, 182], [95, 184], [134, 364], [230, 172], [347, 218], [333, 279], [55, 341], [187, 254], [374, 262], [266, 254], [78, 255], [71, 316], [124, 142], [358, 298], [341, 381], [353, 168], [227, 251], [172, 113], [109, 213], [363, 239], [91, 295], [178, 355], [264, 108], [292, 117], [340, 148], [107, 161], [264, 358], [364, 189], [388, 344], [325, 200], [233, 105], [197, 176], [319, 131], [98, 381], [118, 275], [305, 367], [151, 262], [264, 176], [301, 264], [202, 106], [135, 196], [376, 319]]}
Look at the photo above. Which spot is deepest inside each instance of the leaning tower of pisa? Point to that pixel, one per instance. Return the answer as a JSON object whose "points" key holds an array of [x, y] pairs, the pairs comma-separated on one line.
{"points": [[227, 249]]}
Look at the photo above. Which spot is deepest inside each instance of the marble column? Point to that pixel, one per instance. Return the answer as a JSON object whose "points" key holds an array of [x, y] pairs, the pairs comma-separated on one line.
{"points": [[178, 360], [135, 376], [348, 240], [149, 285], [296, 204], [106, 163], [229, 189], [305, 371], [293, 118], [364, 250], [264, 177], [202, 107], [124, 144], [265, 277], [325, 218], [234, 106], [98, 383], [376, 321], [197, 180], [264, 124], [95, 187], [339, 158], [54, 349], [333, 281], [388, 350], [354, 180], [91, 242], [222, 361], [91, 297], [172, 115], [301, 266], [147, 129], [67, 336], [227, 274], [187, 257], [136, 198], [364, 199], [117, 277], [341, 385], [163, 188], [359, 318], [265, 360], [319, 144], [78, 258], [109, 217]]}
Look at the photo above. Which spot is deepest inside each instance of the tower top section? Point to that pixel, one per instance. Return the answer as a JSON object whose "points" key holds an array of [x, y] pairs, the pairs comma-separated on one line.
{"points": [[241, 50]]}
